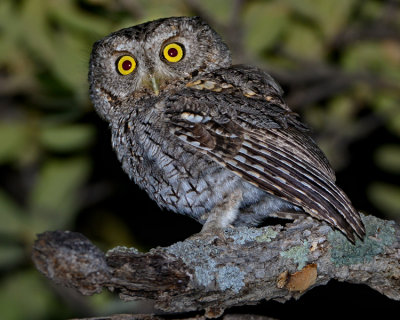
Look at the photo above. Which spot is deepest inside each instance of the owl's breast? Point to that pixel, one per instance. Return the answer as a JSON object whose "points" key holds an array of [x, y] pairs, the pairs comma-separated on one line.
{"points": [[174, 174]]}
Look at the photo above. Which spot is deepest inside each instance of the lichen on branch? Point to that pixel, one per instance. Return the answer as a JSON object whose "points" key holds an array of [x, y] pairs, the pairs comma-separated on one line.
{"points": [[246, 266]]}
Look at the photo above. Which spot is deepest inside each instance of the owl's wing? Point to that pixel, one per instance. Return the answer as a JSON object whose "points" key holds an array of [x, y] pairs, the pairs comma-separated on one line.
{"points": [[265, 145]]}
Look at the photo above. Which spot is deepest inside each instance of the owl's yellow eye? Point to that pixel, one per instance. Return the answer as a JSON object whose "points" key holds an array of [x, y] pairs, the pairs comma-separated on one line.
{"points": [[173, 52], [125, 65]]}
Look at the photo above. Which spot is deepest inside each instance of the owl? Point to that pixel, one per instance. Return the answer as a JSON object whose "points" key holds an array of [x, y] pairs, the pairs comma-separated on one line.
{"points": [[206, 138]]}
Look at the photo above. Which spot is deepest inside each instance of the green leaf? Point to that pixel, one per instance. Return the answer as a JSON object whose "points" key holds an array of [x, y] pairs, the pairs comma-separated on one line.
{"points": [[34, 18], [11, 255], [221, 10], [303, 41], [68, 14], [9, 30], [371, 10], [25, 289], [386, 197], [54, 200], [156, 9], [14, 137], [374, 57], [11, 216], [67, 138], [386, 105], [363, 55], [388, 157], [70, 62], [342, 108], [331, 16], [264, 23]]}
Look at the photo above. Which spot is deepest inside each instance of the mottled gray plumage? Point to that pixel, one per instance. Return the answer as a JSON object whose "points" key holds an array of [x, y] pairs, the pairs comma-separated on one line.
{"points": [[209, 139]]}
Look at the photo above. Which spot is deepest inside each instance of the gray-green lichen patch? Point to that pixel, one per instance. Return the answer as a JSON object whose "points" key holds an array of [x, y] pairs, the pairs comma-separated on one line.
{"points": [[299, 254], [199, 255], [193, 251], [202, 257], [267, 235], [230, 277], [379, 234], [205, 273], [241, 235]]}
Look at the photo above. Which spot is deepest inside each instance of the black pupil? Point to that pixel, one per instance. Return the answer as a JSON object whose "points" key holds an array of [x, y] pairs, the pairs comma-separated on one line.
{"points": [[172, 52], [126, 65]]}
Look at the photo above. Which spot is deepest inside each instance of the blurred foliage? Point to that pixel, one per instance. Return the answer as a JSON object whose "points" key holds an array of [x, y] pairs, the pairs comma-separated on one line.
{"points": [[338, 61]]}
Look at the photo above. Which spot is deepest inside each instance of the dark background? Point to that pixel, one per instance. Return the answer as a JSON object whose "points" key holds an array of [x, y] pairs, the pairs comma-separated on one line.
{"points": [[337, 60]]}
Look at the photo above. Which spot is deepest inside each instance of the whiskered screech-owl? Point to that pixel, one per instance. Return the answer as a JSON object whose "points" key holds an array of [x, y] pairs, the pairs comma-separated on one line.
{"points": [[206, 138]]}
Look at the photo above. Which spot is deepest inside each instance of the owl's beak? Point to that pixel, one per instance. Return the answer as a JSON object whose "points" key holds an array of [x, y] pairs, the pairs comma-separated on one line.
{"points": [[154, 85], [151, 82]]}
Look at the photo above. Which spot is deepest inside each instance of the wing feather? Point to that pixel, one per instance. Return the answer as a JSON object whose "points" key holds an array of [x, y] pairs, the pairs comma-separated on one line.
{"points": [[278, 157]]}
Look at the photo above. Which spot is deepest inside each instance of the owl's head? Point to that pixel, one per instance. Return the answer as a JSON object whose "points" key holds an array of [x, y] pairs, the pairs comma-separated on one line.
{"points": [[148, 59]]}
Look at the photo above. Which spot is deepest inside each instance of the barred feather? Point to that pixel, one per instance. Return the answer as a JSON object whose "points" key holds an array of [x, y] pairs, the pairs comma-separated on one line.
{"points": [[277, 157]]}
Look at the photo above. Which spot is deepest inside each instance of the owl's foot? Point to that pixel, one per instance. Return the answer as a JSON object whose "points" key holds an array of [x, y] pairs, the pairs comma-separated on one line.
{"points": [[212, 234], [224, 213], [221, 217]]}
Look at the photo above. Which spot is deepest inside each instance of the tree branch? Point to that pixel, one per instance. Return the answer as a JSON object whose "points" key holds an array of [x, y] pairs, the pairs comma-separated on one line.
{"points": [[197, 317], [212, 274]]}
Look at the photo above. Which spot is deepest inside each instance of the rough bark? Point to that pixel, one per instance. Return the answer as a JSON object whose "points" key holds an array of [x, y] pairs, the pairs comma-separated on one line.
{"points": [[244, 266], [155, 317]]}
